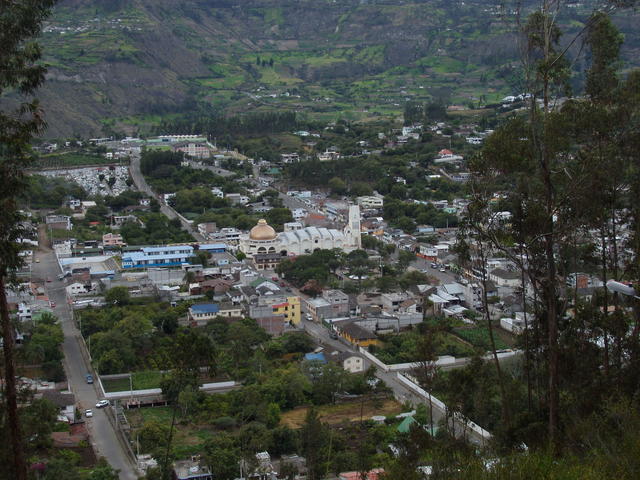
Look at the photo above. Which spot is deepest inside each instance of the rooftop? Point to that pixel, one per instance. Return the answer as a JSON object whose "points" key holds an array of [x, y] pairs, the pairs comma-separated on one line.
{"points": [[205, 308]]}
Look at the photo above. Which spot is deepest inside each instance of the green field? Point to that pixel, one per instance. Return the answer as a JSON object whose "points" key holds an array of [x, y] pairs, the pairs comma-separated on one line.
{"points": [[74, 160], [479, 337], [141, 381]]}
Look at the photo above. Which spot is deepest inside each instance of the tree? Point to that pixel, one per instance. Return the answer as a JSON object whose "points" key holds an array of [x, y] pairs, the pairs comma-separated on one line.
{"points": [[337, 186], [222, 455], [117, 296], [313, 441], [21, 73]]}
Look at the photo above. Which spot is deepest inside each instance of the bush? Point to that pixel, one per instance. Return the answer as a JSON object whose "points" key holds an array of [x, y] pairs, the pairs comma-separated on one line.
{"points": [[225, 423]]}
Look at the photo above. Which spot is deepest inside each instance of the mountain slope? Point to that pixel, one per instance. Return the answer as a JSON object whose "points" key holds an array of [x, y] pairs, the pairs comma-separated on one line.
{"points": [[114, 59]]}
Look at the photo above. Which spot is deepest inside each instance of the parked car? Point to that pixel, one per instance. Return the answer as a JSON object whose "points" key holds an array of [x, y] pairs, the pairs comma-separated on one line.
{"points": [[88, 413], [89, 378], [102, 404]]}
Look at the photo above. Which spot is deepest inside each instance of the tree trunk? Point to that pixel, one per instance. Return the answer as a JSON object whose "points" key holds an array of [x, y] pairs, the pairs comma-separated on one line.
{"points": [[11, 395]]}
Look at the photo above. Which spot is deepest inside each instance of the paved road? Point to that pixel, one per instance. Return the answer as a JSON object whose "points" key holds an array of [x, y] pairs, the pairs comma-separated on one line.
{"points": [[143, 186], [103, 436]]}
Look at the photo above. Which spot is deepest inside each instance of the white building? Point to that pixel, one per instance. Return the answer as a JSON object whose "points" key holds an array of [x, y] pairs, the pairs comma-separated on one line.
{"points": [[263, 239], [370, 201]]}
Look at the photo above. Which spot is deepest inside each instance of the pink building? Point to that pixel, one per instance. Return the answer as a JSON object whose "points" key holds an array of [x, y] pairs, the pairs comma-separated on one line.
{"points": [[112, 240]]}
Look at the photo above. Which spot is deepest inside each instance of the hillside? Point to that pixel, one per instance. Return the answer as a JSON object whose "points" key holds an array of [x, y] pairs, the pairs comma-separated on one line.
{"points": [[119, 64]]}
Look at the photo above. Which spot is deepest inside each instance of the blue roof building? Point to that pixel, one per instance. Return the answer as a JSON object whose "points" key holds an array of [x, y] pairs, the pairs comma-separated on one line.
{"points": [[315, 357], [203, 312], [168, 256]]}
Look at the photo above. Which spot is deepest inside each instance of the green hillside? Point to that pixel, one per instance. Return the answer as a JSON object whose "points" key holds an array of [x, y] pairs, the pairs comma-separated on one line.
{"points": [[118, 65]]}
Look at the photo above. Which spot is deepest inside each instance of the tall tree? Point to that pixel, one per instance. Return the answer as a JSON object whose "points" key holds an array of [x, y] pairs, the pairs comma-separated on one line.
{"points": [[20, 119]]}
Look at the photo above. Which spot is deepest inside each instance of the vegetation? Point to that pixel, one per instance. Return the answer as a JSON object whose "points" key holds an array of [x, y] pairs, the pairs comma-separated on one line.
{"points": [[51, 192]]}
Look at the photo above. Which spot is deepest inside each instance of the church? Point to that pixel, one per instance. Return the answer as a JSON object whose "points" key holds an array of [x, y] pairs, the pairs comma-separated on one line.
{"points": [[298, 240]]}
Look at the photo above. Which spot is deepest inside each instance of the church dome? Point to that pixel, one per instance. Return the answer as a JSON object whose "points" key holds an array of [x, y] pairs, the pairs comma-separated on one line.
{"points": [[262, 231]]}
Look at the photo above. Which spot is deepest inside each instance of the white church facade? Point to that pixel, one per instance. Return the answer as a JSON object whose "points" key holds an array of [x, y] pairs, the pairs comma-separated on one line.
{"points": [[299, 240]]}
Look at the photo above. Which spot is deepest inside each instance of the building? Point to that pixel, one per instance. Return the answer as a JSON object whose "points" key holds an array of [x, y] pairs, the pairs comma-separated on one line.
{"points": [[112, 240], [370, 201], [505, 278], [263, 238], [202, 313], [169, 256], [58, 222], [287, 309], [207, 228], [193, 149], [357, 335], [348, 361], [79, 288], [266, 261], [191, 470]]}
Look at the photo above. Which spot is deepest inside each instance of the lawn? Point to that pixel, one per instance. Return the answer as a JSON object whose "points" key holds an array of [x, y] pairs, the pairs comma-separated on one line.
{"points": [[343, 412]]}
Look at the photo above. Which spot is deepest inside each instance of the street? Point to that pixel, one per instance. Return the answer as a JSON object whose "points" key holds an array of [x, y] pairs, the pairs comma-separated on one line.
{"points": [[143, 186], [103, 436]]}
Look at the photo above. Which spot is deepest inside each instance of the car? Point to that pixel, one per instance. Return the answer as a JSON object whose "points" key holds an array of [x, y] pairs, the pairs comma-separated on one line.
{"points": [[434, 265], [442, 269], [48, 279], [53, 304], [37, 260], [89, 378], [308, 317], [333, 335], [102, 404], [88, 413]]}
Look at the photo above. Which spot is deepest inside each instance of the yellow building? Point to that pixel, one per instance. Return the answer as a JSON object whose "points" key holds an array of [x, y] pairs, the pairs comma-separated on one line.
{"points": [[358, 335], [290, 308]]}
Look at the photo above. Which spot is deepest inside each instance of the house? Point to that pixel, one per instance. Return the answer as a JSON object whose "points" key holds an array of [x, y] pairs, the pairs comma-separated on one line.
{"points": [[191, 470], [374, 474], [207, 228], [339, 302], [348, 361], [201, 313], [112, 240], [266, 261], [287, 309], [217, 192], [505, 278], [58, 222], [66, 403], [290, 157], [391, 301], [79, 288], [237, 199], [514, 325], [357, 335], [370, 201]]}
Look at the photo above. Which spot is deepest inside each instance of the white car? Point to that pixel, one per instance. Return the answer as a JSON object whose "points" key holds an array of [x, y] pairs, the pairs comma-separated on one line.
{"points": [[102, 404], [88, 413]]}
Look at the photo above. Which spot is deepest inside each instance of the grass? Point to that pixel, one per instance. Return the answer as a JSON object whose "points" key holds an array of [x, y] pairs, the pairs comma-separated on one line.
{"points": [[72, 160], [479, 337], [141, 381], [343, 412]]}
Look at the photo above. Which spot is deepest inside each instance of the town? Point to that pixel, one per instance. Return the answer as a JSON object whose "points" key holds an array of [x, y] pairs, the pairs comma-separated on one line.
{"points": [[331, 279]]}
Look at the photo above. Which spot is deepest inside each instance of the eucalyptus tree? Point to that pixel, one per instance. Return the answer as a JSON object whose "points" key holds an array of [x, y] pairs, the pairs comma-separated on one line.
{"points": [[21, 118]]}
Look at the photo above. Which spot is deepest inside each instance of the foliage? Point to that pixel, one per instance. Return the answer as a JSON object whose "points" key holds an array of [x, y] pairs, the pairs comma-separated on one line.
{"points": [[51, 192], [157, 230]]}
